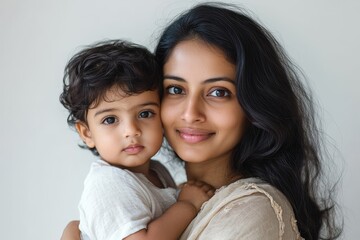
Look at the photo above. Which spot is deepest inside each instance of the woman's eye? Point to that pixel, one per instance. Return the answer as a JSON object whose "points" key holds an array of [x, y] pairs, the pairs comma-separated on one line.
{"points": [[109, 120], [146, 114], [220, 93], [174, 90]]}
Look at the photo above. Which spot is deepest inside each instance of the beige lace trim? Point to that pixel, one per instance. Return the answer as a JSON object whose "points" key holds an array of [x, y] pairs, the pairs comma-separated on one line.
{"points": [[295, 228], [277, 208]]}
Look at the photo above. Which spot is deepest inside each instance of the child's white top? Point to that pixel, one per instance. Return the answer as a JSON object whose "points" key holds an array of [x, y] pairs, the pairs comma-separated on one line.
{"points": [[116, 202]]}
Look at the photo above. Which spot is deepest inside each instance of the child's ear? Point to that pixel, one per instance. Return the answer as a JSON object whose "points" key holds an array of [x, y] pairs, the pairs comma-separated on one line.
{"points": [[85, 133]]}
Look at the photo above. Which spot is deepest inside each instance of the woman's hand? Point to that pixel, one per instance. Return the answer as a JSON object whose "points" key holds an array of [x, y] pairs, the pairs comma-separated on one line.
{"points": [[71, 231]]}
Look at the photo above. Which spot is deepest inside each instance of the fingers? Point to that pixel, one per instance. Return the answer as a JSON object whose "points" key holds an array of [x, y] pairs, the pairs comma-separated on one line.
{"points": [[206, 188], [210, 192]]}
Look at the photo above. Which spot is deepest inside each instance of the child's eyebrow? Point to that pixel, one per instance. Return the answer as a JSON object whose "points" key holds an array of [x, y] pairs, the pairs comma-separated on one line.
{"points": [[105, 110], [156, 104], [101, 111]]}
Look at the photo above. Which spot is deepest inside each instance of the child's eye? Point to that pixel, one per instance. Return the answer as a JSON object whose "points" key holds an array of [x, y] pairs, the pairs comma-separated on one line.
{"points": [[174, 90], [146, 114], [220, 93], [109, 120]]}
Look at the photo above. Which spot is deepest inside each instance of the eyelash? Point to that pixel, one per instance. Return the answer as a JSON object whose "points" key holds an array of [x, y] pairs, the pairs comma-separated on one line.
{"points": [[171, 91], [150, 114], [226, 93], [107, 118]]}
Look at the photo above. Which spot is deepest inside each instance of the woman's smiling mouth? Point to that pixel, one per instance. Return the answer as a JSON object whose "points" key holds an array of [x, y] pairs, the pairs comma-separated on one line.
{"points": [[191, 135]]}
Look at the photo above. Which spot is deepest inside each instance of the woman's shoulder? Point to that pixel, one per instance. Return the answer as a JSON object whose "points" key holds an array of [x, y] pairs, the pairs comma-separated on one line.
{"points": [[249, 209], [249, 191], [258, 202], [250, 188]]}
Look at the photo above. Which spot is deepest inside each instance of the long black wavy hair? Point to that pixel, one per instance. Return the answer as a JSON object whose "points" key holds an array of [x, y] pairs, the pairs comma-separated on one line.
{"points": [[281, 145]]}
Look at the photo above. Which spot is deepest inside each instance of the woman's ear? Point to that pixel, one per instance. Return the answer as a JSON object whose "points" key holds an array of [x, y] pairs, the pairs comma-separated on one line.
{"points": [[85, 133]]}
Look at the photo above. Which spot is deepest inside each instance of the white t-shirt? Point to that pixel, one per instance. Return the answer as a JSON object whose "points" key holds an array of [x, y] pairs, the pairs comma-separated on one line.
{"points": [[116, 202]]}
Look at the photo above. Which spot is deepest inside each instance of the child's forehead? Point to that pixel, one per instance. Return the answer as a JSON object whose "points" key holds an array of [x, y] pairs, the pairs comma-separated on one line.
{"points": [[119, 96], [116, 93]]}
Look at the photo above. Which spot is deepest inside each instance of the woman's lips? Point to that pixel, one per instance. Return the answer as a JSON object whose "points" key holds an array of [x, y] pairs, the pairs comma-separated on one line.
{"points": [[133, 149], [191, 135]]}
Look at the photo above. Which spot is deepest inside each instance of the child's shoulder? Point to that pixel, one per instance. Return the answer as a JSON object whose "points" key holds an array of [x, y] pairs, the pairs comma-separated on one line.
{"points": [[103, 170]]}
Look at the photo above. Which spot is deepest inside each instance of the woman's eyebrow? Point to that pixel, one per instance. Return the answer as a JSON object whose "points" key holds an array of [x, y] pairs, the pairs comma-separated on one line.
{"points": [[174, 78], [218, 79], [210, 80]]}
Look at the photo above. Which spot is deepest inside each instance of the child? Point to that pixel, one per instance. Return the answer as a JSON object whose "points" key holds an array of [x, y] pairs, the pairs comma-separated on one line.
{"points": [[111, 90]]}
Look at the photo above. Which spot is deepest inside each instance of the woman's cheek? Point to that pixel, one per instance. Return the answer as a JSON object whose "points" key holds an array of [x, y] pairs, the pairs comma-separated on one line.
{"points": [[166, 114]]}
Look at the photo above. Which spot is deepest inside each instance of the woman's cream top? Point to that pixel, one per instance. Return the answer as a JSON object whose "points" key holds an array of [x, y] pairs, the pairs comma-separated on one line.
{"points": [[246, 209]]}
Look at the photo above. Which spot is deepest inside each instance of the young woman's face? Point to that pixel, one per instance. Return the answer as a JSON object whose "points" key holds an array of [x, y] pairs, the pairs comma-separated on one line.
{"points": [[202, 118]]}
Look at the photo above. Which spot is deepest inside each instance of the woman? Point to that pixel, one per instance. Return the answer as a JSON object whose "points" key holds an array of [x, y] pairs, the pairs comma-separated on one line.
{"points": [[236, 113]]}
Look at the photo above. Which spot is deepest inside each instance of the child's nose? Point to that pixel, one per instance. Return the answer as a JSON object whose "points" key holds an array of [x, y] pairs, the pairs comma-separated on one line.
{"points": [[131, 129]]}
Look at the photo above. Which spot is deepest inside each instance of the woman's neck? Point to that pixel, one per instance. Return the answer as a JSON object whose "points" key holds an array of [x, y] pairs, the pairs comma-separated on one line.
{"points": [[213, 174]]}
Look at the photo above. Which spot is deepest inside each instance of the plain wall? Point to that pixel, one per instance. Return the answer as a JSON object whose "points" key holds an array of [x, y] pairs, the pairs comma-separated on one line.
{"points": [[42, 168]]}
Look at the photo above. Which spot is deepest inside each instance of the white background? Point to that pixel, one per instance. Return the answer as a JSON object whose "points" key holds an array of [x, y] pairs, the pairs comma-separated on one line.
{"points": [[42, 168]]}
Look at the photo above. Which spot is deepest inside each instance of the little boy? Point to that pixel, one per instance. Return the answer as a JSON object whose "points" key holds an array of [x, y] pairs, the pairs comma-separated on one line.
{"points": [[111, 90]]}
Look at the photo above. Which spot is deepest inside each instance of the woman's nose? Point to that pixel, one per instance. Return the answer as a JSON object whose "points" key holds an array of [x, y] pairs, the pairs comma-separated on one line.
{"points": [[131, 129], [193, 110]]}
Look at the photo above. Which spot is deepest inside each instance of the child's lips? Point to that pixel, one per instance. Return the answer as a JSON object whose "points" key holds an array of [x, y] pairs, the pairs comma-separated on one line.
{"points": [[193, 135], [133, 149]]}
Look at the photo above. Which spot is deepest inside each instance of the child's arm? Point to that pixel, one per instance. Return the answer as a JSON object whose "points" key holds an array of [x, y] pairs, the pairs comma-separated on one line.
{"points": [[71, 231], [174, 221]]}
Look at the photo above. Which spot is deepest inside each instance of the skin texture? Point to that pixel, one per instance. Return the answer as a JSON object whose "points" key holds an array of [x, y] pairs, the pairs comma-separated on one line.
{"points": [[208, 121], [126, 130], [203, 129]]}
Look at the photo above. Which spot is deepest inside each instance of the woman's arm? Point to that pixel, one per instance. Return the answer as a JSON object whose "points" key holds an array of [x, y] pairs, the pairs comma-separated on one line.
{"points": [[71, 231]]}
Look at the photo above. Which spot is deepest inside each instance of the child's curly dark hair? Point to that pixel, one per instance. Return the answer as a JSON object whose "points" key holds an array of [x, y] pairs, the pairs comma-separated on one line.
{"points": [[93, 71]]}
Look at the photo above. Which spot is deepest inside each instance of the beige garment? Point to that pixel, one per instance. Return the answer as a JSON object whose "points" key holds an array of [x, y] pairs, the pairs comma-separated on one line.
{"points": [[246, 209]]}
